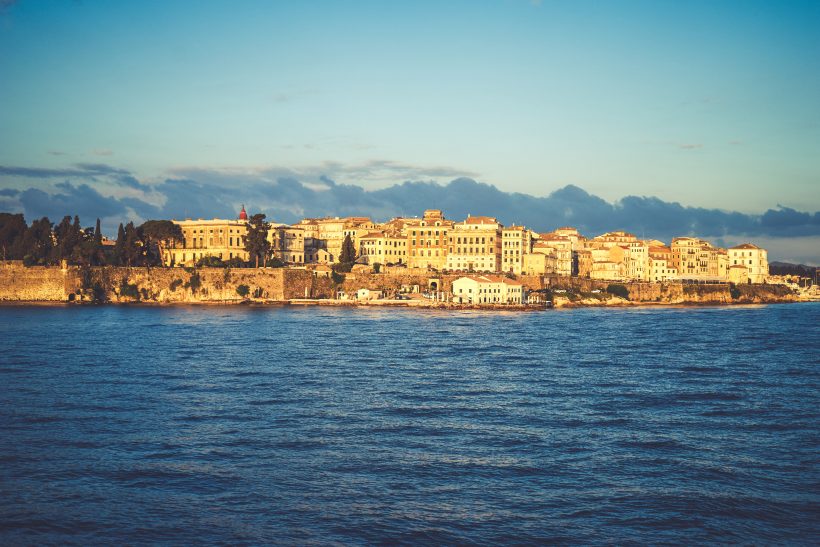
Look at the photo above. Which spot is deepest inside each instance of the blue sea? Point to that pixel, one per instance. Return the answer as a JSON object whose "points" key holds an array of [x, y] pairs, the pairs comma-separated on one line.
{"points": [[281, 425]]}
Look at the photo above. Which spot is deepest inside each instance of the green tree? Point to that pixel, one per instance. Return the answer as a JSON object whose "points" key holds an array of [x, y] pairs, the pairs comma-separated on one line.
{"points": [[118, 256], [158, 235], [348, 254], [132, 248], [37, 242], [243, 290], [256, 241], [12, 231]]}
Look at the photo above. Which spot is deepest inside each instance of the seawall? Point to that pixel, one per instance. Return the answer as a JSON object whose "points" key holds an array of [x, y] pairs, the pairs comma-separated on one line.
{"points": [[217, 285]]}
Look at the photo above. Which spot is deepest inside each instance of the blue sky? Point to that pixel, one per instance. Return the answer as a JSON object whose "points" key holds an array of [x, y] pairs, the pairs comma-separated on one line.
{"points": [[711, 104]]}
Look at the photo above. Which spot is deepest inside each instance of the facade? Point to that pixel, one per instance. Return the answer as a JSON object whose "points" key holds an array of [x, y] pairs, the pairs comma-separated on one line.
{"points": [[220, 238], [487, 289], [753, 258], [558, 245], [428, 241], [383, 248], [288, 243], [696, 259], [516, 243], [475, 245]]}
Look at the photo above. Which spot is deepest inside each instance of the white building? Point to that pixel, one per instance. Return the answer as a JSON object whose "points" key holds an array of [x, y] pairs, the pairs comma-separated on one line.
{"points": [[487, 289]]}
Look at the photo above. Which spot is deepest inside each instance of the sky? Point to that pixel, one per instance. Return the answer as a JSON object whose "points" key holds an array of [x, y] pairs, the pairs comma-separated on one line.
{"points": [[132, 109]]}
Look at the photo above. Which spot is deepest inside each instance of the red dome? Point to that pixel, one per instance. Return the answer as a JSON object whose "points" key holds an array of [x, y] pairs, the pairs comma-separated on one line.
{"points": [[242, 214]]}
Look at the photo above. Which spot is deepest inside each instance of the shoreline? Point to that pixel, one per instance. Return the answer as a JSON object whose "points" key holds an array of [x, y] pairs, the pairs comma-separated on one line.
{"points": [[439, 306]]}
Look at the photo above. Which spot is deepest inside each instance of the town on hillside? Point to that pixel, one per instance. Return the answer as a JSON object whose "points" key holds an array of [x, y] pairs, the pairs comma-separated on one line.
{"points": [[477, 244], [485, 261]]}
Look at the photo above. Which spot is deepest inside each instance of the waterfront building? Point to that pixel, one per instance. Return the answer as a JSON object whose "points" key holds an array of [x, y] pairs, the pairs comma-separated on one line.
{"points": [[427, 242], [696, 259], [475, 245], [753, 258], [220, 238], [560, 246], [287, 243], [487, 289], [383, 248], [516, 243]]}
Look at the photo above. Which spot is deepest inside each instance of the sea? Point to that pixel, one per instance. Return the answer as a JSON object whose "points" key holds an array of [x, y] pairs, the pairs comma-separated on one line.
{"points": [[354, 426]]}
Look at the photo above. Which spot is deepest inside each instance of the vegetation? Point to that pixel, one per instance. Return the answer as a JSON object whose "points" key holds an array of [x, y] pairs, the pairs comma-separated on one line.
{"points": [[243, 290], [210, 262], [337, 278], [348, 254], [618, 290], [377, 267], [256, 242], [734, 291], [175, 284], [129, 290], [194, 283], [274, 262]]}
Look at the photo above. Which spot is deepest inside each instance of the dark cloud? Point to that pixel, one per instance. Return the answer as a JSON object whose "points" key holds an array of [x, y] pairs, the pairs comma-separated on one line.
{"points": [[81, 200], [287, 197]]}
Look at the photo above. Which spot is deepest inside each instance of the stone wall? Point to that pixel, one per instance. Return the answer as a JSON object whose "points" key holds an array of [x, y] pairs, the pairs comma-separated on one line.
{"points": [[213, 285], [36, 284]]}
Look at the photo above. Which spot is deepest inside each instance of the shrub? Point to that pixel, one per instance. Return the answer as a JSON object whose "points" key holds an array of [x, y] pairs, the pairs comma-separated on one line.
{"points": [[734, 291], [377, 267], [210, 262], [618, 290], [129, 290], [274, 262], [243, 290], [337, 278], [258, 292], [175, 284], [194, 283]]}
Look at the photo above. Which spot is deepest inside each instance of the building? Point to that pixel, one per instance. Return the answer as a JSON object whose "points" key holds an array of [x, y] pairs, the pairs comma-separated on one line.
{"points": [[560, 246], [487, 289], [427, 242], [220, 238], [696, 259], [475, 245], [753, 258], [516, 243], [383, 248], [288, 243]]}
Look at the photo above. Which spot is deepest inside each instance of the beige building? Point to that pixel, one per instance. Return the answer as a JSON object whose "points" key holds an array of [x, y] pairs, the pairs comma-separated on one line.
{"points": [[383, 248], [475, 245], [516, 243], [753, 258], [538, 264], [560, 246], [288, 243], [487, 289], [428, 241], [610, 264], [697, 259], [220, 238]]}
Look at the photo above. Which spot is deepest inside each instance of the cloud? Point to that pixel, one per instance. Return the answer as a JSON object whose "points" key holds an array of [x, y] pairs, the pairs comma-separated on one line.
{"points": [[102, 152], [286, 195], [81, 200], [690, 146]]}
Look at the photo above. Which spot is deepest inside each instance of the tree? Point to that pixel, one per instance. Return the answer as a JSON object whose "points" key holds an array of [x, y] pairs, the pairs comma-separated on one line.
{"points": [[256, 241], [118, 257], [37, 242], [12, 231], [348, 255], [132, 249], [158, 235]]}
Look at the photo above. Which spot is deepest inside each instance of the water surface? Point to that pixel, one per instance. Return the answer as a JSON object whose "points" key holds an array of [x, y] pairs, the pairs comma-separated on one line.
{"points": [[313, 425]]}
